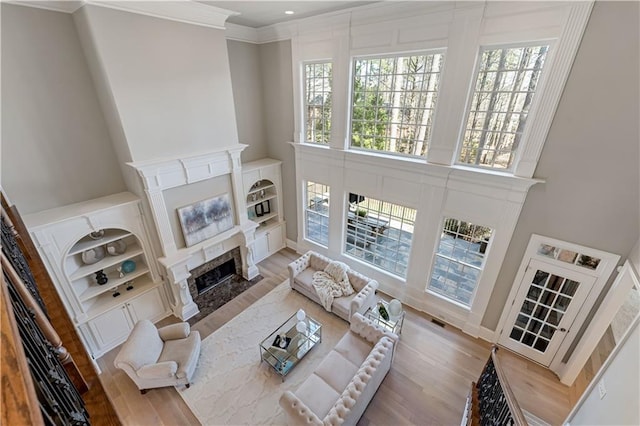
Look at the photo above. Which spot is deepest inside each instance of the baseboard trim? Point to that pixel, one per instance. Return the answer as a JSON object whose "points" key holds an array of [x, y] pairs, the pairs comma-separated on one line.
{"points": [[292, 245], [486, 334]]}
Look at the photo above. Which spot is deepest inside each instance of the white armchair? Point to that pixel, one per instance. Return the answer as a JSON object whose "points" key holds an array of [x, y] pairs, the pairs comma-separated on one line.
{"points": [[155, 358]]}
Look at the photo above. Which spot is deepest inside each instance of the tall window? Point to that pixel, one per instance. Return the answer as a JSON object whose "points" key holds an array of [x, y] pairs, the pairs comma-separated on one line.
{"points": [[506, 83], [393, 102], [380, 233], [459, 260], [317, 102], [317, 213]]}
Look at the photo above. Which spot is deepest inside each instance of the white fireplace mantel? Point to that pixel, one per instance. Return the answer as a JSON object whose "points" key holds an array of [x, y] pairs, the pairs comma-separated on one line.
{"points": [[159, 175]]}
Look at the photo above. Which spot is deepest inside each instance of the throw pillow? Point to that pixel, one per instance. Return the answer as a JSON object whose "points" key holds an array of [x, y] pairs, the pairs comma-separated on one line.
{"points": [[338, 271]]}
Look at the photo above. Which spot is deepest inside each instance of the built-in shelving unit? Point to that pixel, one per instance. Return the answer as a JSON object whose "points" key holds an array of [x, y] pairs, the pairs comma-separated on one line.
{"points": [[263, 185], [103, 310]]}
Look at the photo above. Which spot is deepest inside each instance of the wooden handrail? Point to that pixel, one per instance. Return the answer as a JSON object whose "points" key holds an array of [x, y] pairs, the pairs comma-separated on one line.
{"points": [[19, 400], [516, 412], [96, 400]]}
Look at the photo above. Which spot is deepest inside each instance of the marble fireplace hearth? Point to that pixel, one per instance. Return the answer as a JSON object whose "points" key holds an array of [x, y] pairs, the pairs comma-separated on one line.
{"points": [[216, 294]]}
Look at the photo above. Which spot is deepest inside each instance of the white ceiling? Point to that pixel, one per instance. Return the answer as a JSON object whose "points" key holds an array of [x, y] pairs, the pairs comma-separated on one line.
{"points": [[258, 14]]}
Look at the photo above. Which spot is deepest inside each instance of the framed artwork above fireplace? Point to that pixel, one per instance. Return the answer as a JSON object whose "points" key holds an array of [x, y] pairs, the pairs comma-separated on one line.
{"points": [[205, 219]]}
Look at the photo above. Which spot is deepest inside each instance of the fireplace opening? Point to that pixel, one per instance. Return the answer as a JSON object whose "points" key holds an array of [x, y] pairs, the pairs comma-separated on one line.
{"points": [[215, 276]]}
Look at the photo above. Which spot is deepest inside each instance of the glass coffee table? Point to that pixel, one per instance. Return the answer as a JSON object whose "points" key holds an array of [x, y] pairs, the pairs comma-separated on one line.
{"points": [[286, 346]]}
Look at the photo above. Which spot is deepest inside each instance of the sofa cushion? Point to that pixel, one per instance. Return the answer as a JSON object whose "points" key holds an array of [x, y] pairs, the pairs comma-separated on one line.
{"points": [[318, 395], [336, 370], [342, 305], [353, 348], [305, 279]]}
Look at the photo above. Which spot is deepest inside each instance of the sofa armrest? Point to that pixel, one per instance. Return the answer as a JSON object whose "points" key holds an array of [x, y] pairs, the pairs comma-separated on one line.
{"points": [[370, 331], [297, 411], [161, 370], [365, 299], [174, 331], [297, 266]]}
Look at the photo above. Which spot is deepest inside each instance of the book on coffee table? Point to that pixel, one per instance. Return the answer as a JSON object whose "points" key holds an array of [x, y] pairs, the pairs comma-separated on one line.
{"points": [[278, 342]]}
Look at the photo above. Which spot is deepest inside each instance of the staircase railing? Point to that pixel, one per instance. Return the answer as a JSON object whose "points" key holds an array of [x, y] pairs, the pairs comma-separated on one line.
{"points": [[491, 401]]}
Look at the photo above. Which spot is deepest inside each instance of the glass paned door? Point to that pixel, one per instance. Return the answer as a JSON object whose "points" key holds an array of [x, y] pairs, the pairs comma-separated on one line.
{"points": [[547, 302]]}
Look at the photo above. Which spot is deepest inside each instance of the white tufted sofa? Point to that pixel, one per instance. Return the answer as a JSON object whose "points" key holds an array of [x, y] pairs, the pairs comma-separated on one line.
{"points": [[339, 390], [301, 273]]}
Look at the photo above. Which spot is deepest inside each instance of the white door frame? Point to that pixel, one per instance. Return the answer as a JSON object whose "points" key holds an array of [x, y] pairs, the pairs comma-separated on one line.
{"points": [[616, 296], [601, 273], [567, 320]]}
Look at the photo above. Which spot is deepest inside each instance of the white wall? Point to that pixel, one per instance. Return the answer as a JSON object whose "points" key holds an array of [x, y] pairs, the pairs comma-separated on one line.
{"points": [[56, 149], [246, 79], [170, 82], [590, 158], [275, 63], [620, 374]]}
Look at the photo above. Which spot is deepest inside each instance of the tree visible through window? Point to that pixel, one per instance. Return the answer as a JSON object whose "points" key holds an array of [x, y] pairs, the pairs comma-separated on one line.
{"points": [[394, 99], [459, 260], [317, 102], [507, 80], [317, 213]]}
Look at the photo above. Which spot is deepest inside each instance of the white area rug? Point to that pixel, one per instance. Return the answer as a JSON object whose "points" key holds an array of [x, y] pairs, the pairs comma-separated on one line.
{"points": [[231, 386]]}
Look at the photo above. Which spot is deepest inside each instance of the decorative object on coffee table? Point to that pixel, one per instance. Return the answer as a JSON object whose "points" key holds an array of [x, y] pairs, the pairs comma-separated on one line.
{"points": [[298, 343]]}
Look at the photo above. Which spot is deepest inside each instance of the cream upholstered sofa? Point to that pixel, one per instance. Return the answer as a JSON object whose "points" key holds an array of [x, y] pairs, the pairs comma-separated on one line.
{"points": [[155, 358], [301, 273], [339, 390]]}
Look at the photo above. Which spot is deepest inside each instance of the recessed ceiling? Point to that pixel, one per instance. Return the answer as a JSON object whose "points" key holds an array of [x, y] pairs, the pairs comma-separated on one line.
{"points": [[258, 14]]}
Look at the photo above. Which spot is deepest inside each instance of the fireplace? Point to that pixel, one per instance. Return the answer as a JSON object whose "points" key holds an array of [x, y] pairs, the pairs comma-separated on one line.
{"points": [[207, 277], [214, 277]]}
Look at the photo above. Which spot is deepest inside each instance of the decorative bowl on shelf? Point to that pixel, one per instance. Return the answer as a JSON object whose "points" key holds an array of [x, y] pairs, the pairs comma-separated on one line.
{"points": [[91, 256], [96, 235], [114, 248]]}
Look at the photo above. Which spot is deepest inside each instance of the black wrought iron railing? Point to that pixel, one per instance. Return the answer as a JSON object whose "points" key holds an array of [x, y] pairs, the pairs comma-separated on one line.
{"points": [[491, 401], [60, 403]]}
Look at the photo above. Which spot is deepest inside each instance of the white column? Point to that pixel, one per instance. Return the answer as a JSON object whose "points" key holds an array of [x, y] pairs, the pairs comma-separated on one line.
{"points": [[161, 220]]}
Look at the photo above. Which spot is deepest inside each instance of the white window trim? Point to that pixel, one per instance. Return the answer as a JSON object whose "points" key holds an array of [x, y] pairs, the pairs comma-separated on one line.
{"points": [[303, 100], [349, 37], [517, 155], [349, 117], [304, 208]]}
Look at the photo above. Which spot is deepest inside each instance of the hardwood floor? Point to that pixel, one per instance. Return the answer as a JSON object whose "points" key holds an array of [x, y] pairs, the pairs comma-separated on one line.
{"points": [[427, 385]]}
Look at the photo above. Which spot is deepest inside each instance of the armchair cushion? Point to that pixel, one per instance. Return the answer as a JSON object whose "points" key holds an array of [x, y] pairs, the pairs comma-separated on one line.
{"points": [[161, 370], [184, 351], [144, 335], [174, 331]]}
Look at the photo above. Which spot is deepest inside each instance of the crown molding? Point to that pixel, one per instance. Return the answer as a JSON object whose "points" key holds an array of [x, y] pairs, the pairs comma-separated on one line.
{"points": [[189, 12], [55, 6], [241, 33]]}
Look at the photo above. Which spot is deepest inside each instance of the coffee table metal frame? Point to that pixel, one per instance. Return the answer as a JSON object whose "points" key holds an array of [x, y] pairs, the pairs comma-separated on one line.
{"points": [[284, 360]]}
